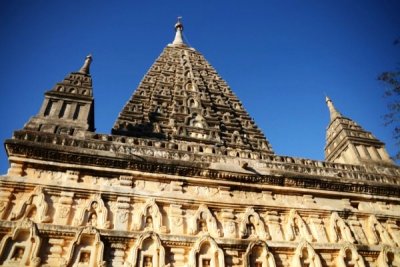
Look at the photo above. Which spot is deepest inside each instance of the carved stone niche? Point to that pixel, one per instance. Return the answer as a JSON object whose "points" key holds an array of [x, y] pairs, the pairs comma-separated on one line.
{"points": [[305, 255], [5, 201], [121, 220], [296, 228], [228, 222], [147, 252], [388, 257], [376, 233], [63, 210], [394, 230], [86, 249], [252, 226], [32, 206], [22, 246], [348, 256], [258, 255], [92, 212], [148, 218], [338, 230], [206, 253], [204, 222], [176, 219]]}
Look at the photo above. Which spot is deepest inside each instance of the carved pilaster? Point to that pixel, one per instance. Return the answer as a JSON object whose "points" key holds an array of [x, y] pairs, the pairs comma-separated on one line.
{"points": [[63, 210], [176, 219], [274, 226], [118, 254], [228, 222], [121, 220], [357, 230], [5, 199], [317, 228]]}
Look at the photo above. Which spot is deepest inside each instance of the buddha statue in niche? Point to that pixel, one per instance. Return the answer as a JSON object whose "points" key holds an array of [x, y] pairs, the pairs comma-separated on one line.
{"points": [[18, 254]]}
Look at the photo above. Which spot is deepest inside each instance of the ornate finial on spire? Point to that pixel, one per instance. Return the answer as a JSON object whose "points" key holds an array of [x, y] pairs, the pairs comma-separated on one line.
{"points": [[332, 110], [86, 66], [178, 35]]}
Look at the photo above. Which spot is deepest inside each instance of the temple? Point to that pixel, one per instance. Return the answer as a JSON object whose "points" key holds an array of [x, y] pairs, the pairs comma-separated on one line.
{"points": [[186, 178]]}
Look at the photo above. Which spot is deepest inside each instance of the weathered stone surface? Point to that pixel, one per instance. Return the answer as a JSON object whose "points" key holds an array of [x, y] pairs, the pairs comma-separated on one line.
{"points": [[187, 179]]}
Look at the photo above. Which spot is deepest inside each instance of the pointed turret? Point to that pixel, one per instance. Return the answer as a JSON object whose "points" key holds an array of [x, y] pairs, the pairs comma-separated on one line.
{"points": [[182, 97], [178, 40], [68, 108], [347, 142]]}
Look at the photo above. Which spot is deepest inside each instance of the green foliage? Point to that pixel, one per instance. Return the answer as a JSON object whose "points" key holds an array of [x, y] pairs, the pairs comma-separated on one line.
{"points": [[391, 79]]}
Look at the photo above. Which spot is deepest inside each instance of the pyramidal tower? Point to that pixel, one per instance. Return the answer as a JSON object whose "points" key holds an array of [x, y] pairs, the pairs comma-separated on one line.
{"points": [[186, 178]]}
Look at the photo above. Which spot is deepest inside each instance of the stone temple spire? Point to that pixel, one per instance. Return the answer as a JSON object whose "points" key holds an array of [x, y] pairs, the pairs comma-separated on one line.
{"points": [[332, 110], [85, 69], [178, 33], [347, 142]]}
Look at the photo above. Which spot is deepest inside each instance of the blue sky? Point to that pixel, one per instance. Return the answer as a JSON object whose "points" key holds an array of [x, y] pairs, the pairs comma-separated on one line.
{"points": [[279, 57]]}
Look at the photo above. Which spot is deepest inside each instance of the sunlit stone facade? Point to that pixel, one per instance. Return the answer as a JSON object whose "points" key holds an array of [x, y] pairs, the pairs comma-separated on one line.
{"points": [[187, 179]]}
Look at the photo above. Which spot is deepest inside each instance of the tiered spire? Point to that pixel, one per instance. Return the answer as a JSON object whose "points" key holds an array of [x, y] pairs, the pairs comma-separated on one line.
{"points": [[182, 97], [69, 106], [347, 142]]}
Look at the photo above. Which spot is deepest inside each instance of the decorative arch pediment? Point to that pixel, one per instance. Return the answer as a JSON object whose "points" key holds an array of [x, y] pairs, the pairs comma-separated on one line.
{"points": [[206, 249], [148, 217], [388, 257], [348, 255], [86, 249], [148, 247], [204, 222], [257, 252], [305, 254], [296, 227], [22, 246], [376, 233], [94, 213], [32, 206], [252, 219], [339, 230]]}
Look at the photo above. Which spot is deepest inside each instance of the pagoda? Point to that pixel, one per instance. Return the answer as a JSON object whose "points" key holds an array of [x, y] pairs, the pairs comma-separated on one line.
{"points": [[186, 178]]}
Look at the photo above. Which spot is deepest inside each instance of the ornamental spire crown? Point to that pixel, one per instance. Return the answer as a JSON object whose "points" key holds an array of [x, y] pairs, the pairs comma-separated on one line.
{"points": [[178, 33]]}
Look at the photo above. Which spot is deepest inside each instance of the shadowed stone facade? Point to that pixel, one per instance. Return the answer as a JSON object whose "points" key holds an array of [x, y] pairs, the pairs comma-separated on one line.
{"points": [[187, 179]]}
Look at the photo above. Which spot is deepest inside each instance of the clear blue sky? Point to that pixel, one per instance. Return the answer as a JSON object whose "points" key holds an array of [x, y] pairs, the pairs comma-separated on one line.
{"points": [[279, 57]]}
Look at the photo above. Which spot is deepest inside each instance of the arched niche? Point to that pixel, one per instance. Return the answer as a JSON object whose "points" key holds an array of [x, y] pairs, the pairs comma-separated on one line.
{"points": [[204, 222], [258, 255], [236, 139], [348, 256], [93, 213], [376, 233], [86, 249], [388, 257], [206, 253], [251, 225], [338, 230], [296, 228], [148, 217], [147, 251], [21, 247], [305, 255], [198, 121], [32, 206]]}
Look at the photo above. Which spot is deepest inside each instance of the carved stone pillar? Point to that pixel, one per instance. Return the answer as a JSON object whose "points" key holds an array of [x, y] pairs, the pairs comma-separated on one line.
{"points": [[5, 198], [176, 219], [228, 223], [273, 222], [56, 250], [317, 228], [121, 220], [63, 210], [394, 231], [118, 254], [178, 257]]}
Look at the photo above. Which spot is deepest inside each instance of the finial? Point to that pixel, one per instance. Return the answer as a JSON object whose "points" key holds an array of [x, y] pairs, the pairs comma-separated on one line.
{"points": [[86, 66], [178, 34], [332, 110]]}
